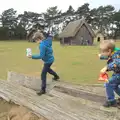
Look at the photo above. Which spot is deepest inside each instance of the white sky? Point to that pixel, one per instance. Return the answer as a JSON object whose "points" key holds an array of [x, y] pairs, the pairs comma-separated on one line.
{"points": [[41, 5]]}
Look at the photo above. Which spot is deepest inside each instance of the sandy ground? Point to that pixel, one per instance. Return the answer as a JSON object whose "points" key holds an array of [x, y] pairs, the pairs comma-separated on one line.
{"points": [[10, 111]]}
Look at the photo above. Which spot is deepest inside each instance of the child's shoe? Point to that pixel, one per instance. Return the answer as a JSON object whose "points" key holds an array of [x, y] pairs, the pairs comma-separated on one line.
{"points": [[118, 101], [41, 92], [110, 104], [56, 78]]}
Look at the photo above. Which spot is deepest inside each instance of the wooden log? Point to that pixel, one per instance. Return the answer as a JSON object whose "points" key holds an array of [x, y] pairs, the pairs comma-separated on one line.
{"points": [[39, 105], [24, 80], [80, 93], [31, 82], [34, 83], [86, 102], [58, 107], [95, 88]]}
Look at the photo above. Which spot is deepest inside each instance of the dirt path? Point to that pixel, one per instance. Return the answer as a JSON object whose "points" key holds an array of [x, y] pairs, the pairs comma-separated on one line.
{"points": [[10, 111]]}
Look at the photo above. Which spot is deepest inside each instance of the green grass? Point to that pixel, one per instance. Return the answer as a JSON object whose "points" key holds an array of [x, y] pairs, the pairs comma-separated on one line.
{"points": [[76, 64]]}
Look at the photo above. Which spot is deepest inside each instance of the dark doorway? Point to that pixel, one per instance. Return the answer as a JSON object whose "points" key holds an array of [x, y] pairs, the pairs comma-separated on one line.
{"points": [[98, 39]]}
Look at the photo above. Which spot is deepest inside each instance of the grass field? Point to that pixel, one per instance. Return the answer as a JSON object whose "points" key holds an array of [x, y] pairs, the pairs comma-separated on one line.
{"points": [[76, 64]]}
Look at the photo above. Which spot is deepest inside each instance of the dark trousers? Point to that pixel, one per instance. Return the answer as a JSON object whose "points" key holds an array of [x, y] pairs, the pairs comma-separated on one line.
{"points": [[113, 86], [46, 69]]}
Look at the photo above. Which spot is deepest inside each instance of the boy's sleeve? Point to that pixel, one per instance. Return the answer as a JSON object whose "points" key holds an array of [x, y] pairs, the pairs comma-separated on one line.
{"points": [[103, 58], [114, 65], [42, 53]]}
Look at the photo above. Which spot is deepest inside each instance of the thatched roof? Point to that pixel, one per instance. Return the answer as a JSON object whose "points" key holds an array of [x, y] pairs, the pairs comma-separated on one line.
{"points": [[73, 27]]}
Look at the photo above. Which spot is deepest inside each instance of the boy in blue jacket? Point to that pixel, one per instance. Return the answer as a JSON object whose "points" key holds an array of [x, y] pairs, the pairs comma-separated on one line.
{"points": [[107, 49], [46, 54]]}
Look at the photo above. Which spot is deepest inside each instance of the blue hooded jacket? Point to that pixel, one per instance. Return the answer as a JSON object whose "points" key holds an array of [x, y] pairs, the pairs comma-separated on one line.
{"points": [[46, 51]]}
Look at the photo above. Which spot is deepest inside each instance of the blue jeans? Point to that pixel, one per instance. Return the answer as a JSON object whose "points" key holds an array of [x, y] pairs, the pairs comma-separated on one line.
{"points": [[112, 86], [46, 69]]}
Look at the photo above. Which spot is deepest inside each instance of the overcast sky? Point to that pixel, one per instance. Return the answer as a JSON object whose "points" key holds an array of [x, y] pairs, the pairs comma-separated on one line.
{"points": [[41, 5]]}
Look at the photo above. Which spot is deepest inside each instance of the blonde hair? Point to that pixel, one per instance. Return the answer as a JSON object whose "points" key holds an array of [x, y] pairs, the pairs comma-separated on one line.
{"points": [[105, 45], [38, 35]]}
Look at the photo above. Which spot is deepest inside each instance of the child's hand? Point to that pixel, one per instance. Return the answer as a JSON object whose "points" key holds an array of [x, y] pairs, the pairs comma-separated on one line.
{"points": [[29, 56], [104, 70], [99, 55]]}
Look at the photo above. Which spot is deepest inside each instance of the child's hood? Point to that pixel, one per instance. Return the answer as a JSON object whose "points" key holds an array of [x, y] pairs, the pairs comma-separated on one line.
{"points": [[116, 49], [116, 54], [47, 42]]}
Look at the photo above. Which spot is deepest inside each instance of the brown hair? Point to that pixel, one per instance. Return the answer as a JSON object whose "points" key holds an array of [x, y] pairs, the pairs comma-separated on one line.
{"points": [[105, 45], [38, 35]]}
